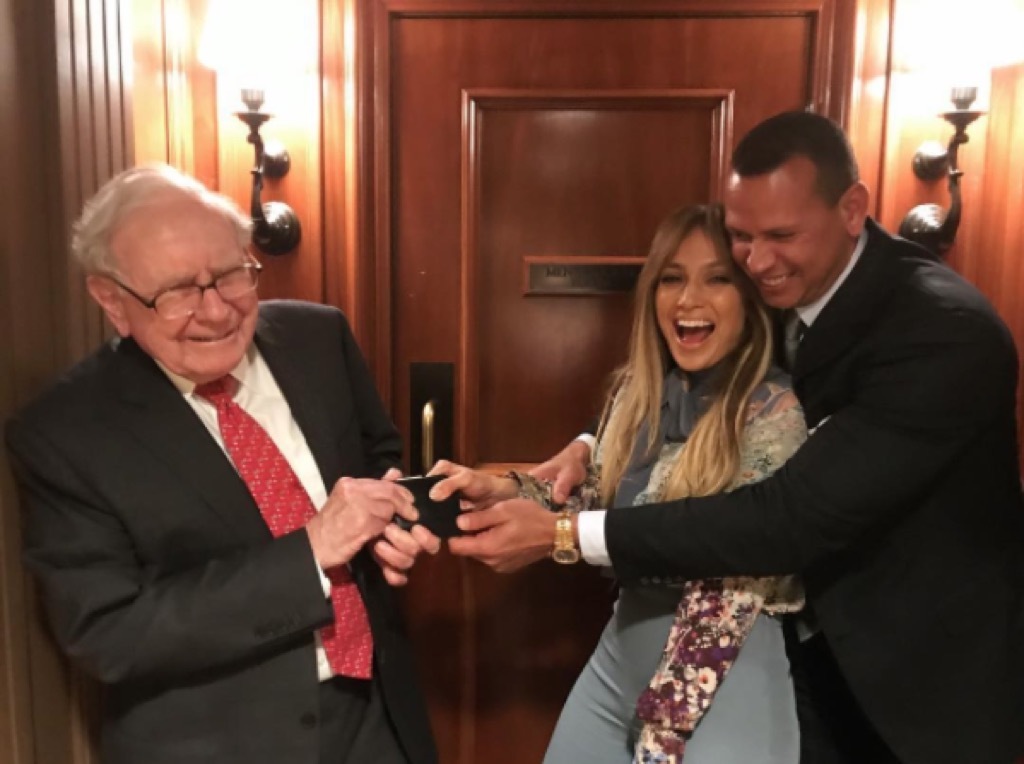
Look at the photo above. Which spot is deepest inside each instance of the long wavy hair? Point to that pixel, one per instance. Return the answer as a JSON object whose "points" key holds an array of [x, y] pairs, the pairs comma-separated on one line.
{"points": [[709, 461]]}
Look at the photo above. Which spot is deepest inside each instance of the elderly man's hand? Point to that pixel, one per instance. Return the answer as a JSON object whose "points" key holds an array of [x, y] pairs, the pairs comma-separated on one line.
{"points": [[357, 511], [397, 550], [566, 470], [478, 490], [508, 536]]}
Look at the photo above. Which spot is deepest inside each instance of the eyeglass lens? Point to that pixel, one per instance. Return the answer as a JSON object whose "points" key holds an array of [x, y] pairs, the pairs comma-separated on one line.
{"points": [[178, 302]]}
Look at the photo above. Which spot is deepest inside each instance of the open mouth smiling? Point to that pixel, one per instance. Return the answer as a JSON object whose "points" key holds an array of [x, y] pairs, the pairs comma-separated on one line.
{"points": [[693, 332]]}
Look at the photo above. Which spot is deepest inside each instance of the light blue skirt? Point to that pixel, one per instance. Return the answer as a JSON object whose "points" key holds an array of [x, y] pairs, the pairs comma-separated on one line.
{"points": [[752, 719]]}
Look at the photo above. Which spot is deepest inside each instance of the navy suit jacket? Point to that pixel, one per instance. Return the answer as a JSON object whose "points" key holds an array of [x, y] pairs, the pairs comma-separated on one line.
{"points": [[159, 574], [902, 511]]}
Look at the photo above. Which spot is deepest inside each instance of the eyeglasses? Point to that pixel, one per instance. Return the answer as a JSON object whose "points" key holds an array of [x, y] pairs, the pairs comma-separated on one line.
{"points": [[180, 301]]}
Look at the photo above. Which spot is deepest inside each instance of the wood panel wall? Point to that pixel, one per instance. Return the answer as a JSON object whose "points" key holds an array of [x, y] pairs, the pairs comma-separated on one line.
{"points": [[64, 129], [990, 241]]}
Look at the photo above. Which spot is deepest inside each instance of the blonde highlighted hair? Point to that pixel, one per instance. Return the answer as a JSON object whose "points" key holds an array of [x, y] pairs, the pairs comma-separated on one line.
{"points": [[709, 461]]}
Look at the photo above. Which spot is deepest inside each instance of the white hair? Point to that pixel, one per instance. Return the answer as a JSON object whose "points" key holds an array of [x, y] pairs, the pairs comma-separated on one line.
{"points": [[138, 187]]}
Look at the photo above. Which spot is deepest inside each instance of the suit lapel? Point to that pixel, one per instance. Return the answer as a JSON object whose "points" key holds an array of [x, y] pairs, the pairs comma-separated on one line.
{"points": [[852, 308], [307, 411], [148, 406]]}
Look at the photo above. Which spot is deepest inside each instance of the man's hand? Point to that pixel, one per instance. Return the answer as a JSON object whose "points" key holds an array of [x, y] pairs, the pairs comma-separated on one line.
{"points": [[397, 550], [508, 536], [478, 489], [356, 511], [566, 469]]}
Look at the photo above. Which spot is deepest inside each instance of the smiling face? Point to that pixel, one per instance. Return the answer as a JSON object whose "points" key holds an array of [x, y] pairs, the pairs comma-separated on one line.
{"points": [[792, 243], [698, 305], [176, 241]]}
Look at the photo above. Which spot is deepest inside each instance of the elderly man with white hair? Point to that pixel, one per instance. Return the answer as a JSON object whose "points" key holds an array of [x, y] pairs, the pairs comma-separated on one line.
{"points": [[209, 501]]}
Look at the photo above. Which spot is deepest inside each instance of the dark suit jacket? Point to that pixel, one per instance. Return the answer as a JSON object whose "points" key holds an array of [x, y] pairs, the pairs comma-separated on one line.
{"points": [[902, 510], [162, 579]]}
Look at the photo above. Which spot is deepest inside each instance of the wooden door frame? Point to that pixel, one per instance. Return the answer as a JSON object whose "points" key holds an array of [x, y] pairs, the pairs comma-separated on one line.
{"points": [[357, 166]]}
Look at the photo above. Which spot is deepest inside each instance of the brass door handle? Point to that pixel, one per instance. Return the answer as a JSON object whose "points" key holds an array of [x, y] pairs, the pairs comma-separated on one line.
{"points": [[427, 430]]}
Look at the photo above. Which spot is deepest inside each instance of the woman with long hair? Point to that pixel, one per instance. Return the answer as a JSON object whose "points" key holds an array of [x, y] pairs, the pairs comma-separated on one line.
{"points": [[697, 409]]}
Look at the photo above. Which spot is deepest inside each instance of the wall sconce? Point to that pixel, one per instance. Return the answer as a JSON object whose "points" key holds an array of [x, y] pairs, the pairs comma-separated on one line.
{"points": [[229, 46], [928, 224], [275, 226]]}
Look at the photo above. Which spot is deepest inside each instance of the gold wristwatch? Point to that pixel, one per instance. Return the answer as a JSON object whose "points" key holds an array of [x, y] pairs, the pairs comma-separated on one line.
{"points": [[565, 551]]}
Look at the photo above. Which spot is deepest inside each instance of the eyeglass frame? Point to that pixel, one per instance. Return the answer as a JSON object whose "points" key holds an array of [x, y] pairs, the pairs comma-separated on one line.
{"points": [[249, 265]]}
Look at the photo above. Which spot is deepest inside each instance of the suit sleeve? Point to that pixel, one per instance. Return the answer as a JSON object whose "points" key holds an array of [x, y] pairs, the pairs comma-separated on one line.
{"points": [[122, 621], [920, 399]]}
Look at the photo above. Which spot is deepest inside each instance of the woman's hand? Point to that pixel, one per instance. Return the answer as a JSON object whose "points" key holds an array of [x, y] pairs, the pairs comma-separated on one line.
{"points": [[478, 490], [566, 470]]}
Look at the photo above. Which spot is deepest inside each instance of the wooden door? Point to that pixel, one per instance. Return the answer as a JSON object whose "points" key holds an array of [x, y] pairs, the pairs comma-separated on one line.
{"points": [[514, 142]]}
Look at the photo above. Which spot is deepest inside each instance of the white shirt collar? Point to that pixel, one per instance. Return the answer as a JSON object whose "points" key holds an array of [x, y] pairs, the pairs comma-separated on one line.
{"points": [[246, 373], [808, 313]]}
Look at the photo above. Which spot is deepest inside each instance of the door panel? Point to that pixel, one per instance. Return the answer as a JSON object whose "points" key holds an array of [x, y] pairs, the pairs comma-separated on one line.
{"points": [[568, 177], [515, 142]]}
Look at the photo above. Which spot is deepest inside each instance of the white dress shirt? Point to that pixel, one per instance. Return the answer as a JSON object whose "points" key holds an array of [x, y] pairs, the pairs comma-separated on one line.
{"points": [[261, 398], [590, 525]]}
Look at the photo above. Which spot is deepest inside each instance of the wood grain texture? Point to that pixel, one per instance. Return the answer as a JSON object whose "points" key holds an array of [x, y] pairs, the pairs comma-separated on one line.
{"points": [[27, 350], [869, 91], [67, 129], [348, 278], [572, 174]]}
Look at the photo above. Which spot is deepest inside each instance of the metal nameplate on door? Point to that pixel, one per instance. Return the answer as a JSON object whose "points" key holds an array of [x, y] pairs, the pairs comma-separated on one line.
{"points": [[548, 276]]}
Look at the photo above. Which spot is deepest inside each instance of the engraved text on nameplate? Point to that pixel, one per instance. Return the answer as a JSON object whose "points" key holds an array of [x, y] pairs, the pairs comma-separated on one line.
{"points": [[568, 277]]}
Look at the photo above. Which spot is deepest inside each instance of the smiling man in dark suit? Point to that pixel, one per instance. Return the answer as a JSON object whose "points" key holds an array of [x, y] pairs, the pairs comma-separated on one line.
{"points": [[902, 511], [204, 504]]}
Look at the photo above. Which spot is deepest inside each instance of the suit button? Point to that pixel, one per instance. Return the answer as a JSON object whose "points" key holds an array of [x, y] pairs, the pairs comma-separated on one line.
{"points": [[308, 721]]}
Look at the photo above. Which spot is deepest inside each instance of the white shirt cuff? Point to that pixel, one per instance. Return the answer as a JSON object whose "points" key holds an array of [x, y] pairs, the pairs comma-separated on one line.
{"points": [[591, 529], [589, 439]]}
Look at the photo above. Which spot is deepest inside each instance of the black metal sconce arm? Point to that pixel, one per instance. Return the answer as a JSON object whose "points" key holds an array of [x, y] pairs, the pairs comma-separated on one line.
{"points": [[928, 224], [276, 228]]}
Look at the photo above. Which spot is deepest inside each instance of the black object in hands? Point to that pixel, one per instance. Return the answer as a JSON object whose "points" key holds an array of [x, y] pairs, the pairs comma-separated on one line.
{"points": [[438, 517]]}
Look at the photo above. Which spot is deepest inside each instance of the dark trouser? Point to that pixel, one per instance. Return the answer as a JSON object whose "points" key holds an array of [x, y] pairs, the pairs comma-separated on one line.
{"points": [[833, 729], [354, 725]]}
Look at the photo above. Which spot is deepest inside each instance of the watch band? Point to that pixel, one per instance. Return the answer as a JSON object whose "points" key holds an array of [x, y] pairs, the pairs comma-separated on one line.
{"points": [[565, 551]]}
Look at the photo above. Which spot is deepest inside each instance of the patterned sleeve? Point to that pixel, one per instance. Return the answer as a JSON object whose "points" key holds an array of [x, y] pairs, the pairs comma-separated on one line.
{"points": [[775, 430], [585, 496]]}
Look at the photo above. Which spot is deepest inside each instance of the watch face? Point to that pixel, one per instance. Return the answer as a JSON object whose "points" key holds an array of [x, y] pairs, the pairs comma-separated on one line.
{"points": [[566, 556]]}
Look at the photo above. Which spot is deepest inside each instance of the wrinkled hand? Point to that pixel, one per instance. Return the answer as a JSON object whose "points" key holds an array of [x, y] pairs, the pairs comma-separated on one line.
{"points": [[479, 490], [357, 510], [397, 550], [508, 536], [566, 470]]}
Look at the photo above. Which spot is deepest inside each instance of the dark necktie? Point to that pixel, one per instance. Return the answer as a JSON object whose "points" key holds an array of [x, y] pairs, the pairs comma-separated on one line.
{"points": [[793, 334], [286, 507]]}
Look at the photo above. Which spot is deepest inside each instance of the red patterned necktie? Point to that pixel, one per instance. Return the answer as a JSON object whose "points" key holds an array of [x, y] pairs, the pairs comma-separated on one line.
{"points": [[286, 507]]}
